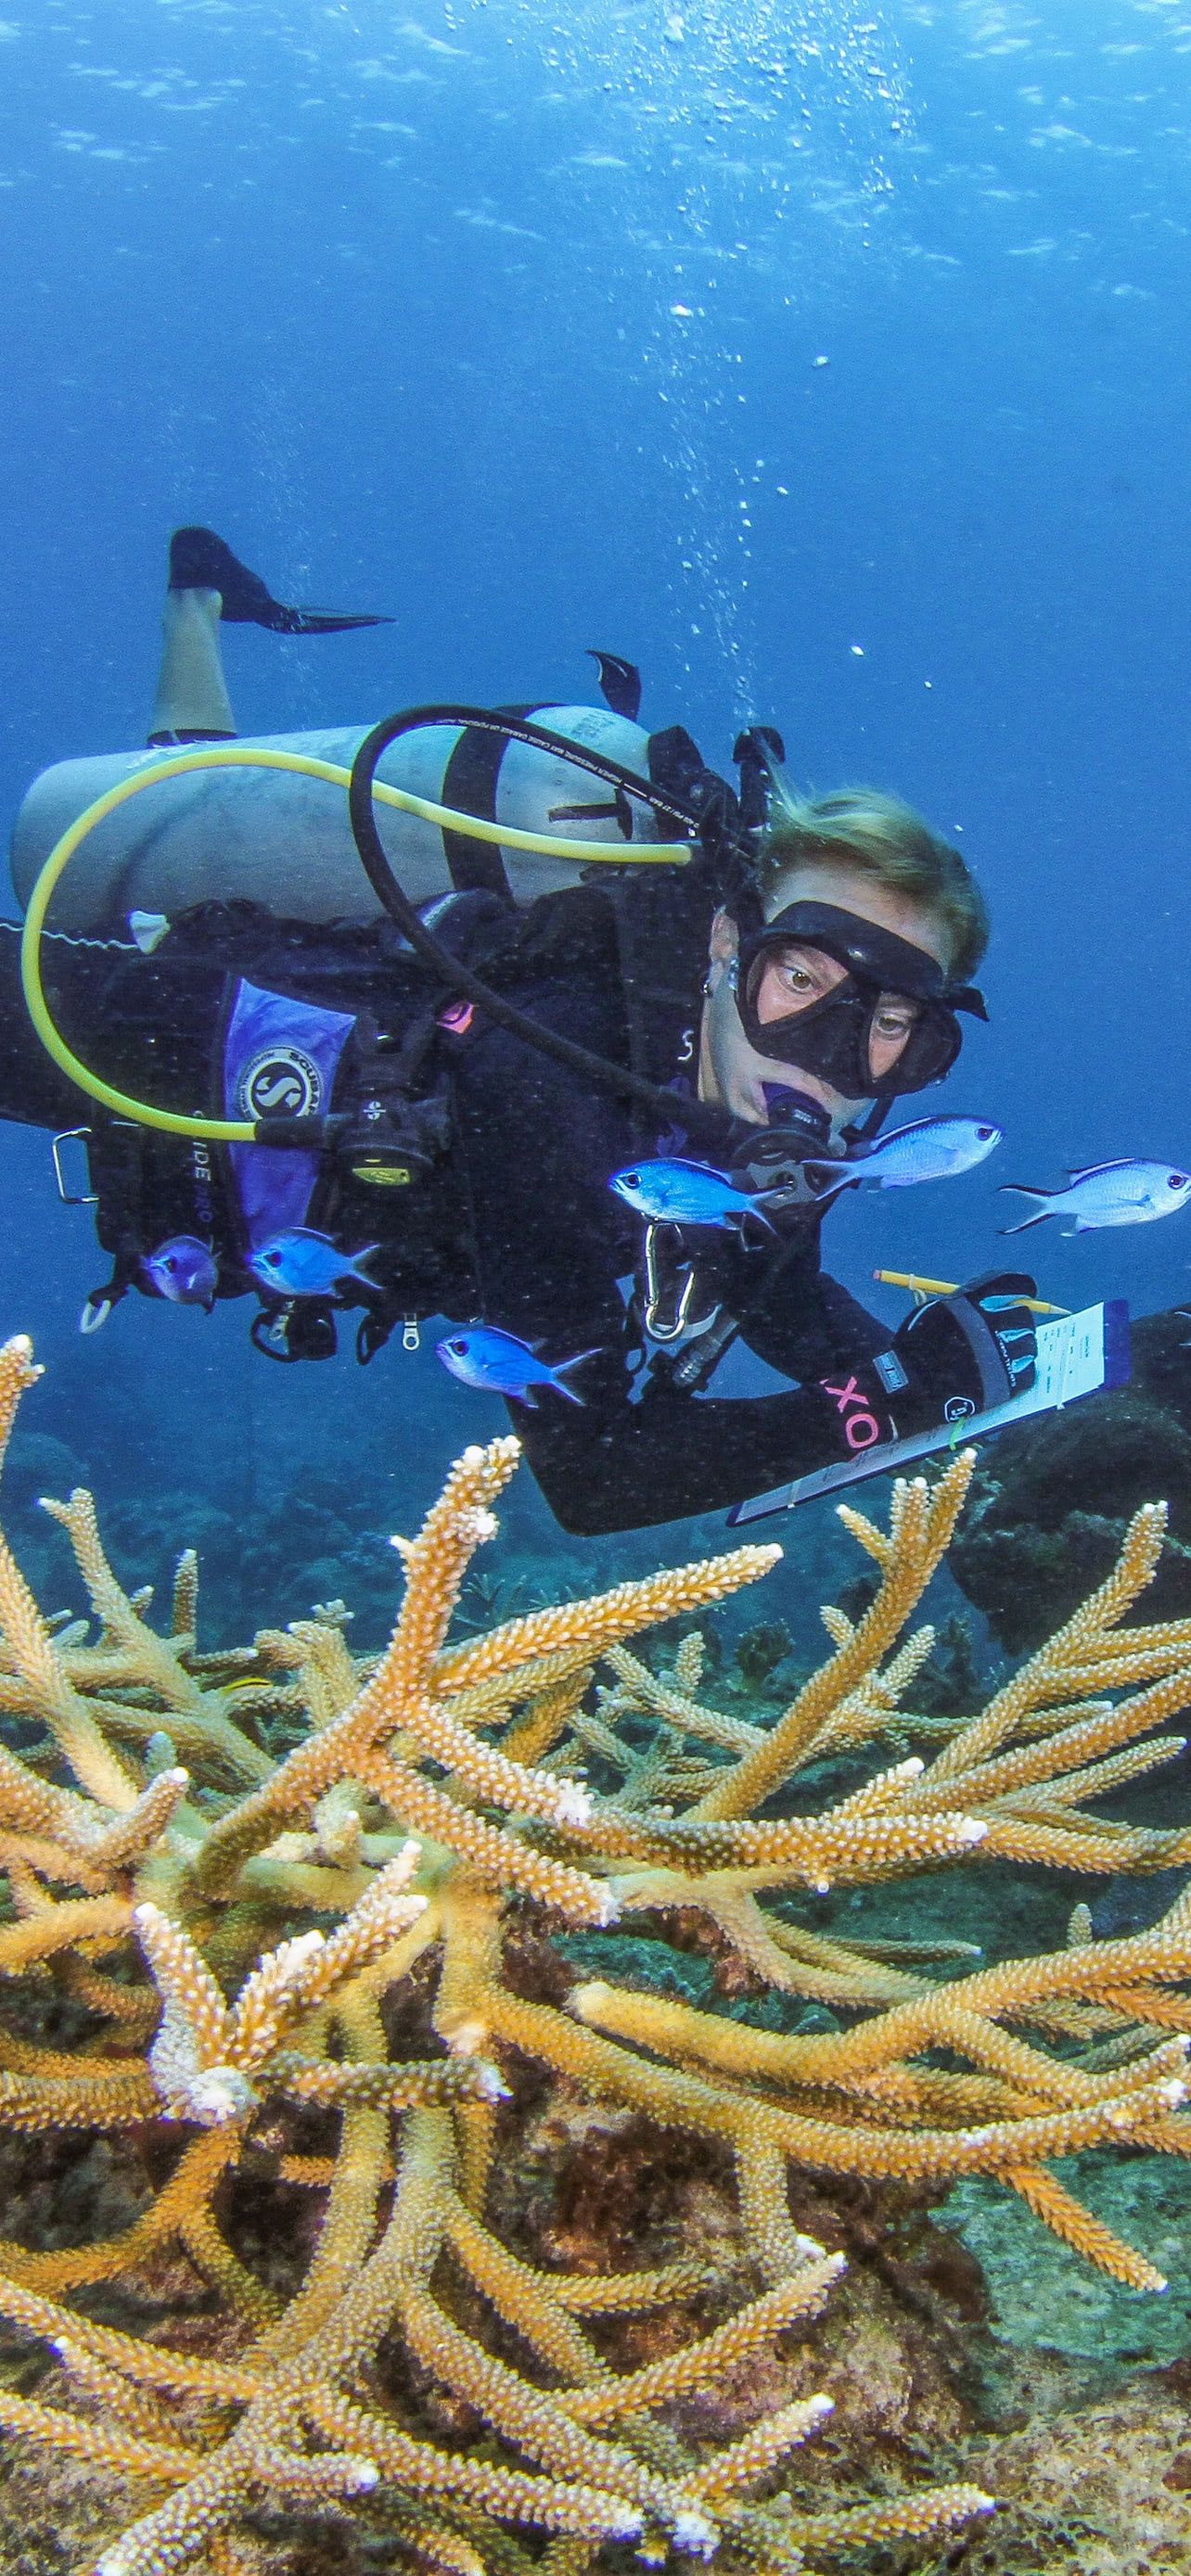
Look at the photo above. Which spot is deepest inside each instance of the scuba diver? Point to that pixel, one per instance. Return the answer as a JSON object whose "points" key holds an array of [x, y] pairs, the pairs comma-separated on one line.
{"points": [[577, 1061]]}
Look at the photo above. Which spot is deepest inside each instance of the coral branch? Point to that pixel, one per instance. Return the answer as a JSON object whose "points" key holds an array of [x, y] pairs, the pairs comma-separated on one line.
{"points": [[176, 1908]]}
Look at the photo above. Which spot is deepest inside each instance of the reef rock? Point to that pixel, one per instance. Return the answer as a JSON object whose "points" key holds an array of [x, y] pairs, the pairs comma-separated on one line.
{"points": [[1050, 1502]]}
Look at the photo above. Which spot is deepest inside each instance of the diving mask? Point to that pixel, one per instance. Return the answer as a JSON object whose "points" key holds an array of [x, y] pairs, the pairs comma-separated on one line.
{"points": [[837, 1035]]}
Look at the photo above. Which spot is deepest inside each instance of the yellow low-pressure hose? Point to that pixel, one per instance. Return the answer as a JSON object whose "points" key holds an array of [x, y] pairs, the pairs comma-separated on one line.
{"points": [[241, 1131]]}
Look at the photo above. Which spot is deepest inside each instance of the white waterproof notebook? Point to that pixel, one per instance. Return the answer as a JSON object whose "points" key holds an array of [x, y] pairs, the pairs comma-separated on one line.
{"points": [[1077, 1354]]}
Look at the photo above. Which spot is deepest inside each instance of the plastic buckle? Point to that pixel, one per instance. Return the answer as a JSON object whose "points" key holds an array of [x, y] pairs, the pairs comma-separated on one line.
{"points": [[299, 1329], [411, 1339]]}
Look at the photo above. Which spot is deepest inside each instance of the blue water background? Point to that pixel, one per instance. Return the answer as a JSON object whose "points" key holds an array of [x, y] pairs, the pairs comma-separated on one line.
{"points": [[513, 322]]}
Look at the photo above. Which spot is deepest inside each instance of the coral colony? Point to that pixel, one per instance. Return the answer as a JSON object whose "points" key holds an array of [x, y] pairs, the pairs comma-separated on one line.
{"points": [[435, 1801]]}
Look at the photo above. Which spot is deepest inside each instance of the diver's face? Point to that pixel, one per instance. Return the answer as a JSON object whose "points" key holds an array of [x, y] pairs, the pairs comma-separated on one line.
{"points": [[730, 1071]]}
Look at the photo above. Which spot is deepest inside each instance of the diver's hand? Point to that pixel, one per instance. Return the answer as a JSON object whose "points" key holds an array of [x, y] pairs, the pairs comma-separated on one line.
{"points": [[963, 1354], [1000, 1298]]}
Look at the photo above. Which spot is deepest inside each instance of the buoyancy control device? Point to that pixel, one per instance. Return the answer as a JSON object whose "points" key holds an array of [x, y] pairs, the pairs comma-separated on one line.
{"points": [[489, 806]]}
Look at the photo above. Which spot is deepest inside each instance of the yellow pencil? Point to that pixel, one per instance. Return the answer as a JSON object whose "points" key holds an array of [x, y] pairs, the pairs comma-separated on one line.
{"points": [[920, 1289]]}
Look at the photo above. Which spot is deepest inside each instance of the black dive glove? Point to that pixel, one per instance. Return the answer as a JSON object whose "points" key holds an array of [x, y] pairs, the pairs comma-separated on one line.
{"points": [[965, 1353], [955, 1357]]}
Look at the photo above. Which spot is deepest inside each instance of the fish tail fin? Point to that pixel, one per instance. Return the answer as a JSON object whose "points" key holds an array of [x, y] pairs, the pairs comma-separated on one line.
{"points": [[562, 1369], [1026, 1190], [1039, 1218], [358, 1259], [834, 1180]]}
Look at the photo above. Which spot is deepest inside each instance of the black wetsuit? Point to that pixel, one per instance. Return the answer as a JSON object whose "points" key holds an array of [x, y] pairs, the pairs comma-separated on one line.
{"points": [[552, 1244], [518, 1227]]}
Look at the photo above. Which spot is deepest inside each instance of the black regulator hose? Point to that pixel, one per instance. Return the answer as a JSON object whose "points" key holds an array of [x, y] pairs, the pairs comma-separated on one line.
{"points": [[698, 1117]]}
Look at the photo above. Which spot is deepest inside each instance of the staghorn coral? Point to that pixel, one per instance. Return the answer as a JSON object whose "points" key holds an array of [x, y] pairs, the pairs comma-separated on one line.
{"points": [[160, 1891]]}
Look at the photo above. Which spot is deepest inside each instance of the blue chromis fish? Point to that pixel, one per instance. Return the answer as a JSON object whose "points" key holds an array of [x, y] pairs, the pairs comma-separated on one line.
{"points": [[1125, 1193], [481, 1355], [931, 1149], [300, 1262], [685, 1194], [184, 1270]]}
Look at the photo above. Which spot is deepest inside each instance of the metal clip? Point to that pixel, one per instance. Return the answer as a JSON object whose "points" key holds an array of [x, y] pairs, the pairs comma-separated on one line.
{"points": [[69, 1198], [670, 1326], [411, 1339]]}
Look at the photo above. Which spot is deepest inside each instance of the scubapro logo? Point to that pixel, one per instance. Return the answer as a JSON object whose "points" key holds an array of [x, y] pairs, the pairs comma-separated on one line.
{"points": [[280, 1082]]}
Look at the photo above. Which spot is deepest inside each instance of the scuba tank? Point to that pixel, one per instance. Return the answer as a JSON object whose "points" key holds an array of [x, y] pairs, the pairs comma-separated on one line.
{"points": [[216, 835]]}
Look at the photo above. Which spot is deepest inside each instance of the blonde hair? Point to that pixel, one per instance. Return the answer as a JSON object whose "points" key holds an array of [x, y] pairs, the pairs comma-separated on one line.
{"points": [[858, 827]]}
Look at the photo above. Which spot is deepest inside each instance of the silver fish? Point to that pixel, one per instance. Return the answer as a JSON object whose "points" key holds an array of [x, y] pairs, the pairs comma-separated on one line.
{"points": [[1126, 1193], [684, 1194], [184, 1270], [931, 1149], [301, 1262], [482, 1355]]}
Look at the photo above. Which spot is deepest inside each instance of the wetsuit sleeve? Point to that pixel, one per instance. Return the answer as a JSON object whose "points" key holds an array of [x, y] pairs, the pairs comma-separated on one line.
{"points": [[620, 1465], [552, 1242], [809, 1324], [673, 1454]]}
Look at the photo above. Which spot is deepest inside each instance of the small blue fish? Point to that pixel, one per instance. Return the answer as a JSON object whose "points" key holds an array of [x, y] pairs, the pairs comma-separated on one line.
{"points": [[483, 1356], [183, 1270], [685, 1194], [300, 1262], [931, 1149], [1125, 1193]]}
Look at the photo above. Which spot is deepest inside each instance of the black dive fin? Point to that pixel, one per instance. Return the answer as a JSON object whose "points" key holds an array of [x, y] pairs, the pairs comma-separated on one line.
{"points": [[199, 560], [754, 752], [312, 621], [620, 683]]}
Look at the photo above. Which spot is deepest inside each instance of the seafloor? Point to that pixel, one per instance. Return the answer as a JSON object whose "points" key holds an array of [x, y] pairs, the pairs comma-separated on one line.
{"points": [[964, 2342]]}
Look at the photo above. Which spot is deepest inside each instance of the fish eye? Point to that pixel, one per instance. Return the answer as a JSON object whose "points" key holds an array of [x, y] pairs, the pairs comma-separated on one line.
{"points": [[459, 1349], [982, 1133], [633, 1179], [1177, 1180]]}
